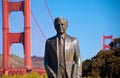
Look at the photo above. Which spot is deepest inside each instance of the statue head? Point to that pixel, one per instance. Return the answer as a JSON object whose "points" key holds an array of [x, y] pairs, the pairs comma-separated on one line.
{"points": [[60, 25]]}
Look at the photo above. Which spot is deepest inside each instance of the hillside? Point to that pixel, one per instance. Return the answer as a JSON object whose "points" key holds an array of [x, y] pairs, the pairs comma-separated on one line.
{"points": [[16, 61], [37, 61], [105, 64]]}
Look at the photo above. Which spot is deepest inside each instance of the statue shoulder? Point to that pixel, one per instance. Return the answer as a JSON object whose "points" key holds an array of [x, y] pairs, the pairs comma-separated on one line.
{"points": [[72, 38], [50, 39]]}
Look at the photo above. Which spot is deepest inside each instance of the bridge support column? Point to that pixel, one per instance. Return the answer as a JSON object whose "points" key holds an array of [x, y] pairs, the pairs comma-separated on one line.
{"points": [[27, 34], [21, 37], [5, 23]]}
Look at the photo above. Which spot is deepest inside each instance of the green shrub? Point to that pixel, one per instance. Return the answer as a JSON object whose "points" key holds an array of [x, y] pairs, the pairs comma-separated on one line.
{"points": [[30, 75]]}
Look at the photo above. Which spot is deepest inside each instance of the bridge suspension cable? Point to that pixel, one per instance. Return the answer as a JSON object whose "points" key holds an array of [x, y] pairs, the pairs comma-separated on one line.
{"points": [[37, 21], [38, 25], [48, 10]]}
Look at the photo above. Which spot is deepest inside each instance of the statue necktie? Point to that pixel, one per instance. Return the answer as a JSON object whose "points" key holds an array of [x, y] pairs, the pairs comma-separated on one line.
{"points": [[61, 49], [61, 40], [62, 73]]}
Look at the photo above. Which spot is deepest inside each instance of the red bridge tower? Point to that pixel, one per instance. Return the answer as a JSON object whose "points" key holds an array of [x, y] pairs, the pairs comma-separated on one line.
{"points": [[22, 37], [105, 46]]}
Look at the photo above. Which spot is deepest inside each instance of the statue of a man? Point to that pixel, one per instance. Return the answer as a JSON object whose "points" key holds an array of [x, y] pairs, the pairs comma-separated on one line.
{"points": [[62, 56]]}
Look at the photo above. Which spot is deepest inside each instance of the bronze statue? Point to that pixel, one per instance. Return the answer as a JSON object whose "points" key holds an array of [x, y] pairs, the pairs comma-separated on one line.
{"points": [[62, 56]]}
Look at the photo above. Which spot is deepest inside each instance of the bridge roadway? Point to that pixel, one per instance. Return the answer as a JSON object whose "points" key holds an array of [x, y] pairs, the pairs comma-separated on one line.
{"points": [[21, 71]]}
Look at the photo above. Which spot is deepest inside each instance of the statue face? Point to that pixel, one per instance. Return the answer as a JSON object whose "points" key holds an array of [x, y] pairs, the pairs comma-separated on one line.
{"points": [[61, 25]]}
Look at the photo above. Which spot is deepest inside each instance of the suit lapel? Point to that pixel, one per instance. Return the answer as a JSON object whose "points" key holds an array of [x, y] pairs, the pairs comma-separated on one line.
{"points": [[66, 47], [57, 48], [66, 43], [54, 45]]}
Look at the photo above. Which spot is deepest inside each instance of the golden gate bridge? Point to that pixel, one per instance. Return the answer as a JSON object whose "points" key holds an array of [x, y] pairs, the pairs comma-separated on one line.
{"points": [[9, 38], [24, 37]]}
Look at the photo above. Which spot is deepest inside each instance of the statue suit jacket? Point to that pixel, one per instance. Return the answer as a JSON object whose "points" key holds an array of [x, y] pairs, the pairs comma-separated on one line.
{"points": [[72, 57]]}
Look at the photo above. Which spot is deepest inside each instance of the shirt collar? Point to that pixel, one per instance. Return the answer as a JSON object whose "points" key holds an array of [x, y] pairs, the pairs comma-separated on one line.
{"points": [[62, 36]]}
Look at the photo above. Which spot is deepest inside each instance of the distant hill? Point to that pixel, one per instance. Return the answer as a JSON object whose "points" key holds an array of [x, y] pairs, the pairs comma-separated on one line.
{"points": [[105, 64], [37, 61], [16, 61]]}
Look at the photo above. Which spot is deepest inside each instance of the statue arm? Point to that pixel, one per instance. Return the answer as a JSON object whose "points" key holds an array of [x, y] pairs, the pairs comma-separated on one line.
{"points": [[77, 60], [49, 70]]}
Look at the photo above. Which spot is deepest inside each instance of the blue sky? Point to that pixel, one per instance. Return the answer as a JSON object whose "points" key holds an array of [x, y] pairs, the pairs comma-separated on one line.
{"points": [[88, 21]]}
